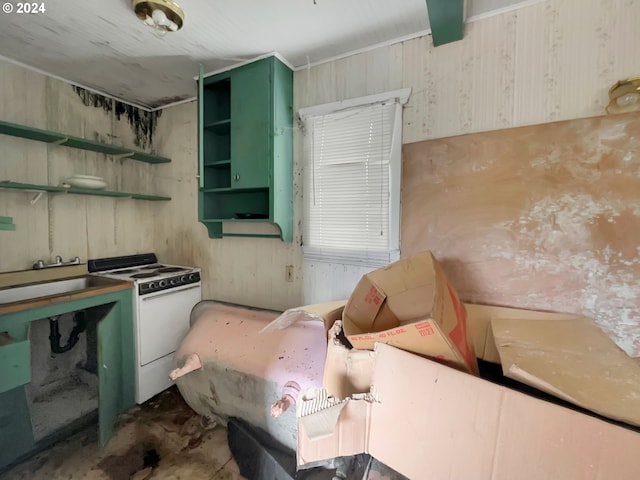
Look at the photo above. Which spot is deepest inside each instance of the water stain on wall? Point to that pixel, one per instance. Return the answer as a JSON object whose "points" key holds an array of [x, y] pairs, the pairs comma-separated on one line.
{"points": [[142, 123], [542, 217]]}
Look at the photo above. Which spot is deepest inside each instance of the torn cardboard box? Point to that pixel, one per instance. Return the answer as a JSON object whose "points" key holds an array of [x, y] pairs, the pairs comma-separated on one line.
{"points": [[479, 323], [410, 304], [431, 422], [571, 359]]}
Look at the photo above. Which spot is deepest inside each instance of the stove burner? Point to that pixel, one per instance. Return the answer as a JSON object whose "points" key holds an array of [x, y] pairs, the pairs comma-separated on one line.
{"points": [[170, 270], [124, 272], [144, 275], [150, 267]]}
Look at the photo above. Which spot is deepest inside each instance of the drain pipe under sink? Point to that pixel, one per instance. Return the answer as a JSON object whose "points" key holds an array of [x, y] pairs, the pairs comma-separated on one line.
{"points": [[54, 333]]}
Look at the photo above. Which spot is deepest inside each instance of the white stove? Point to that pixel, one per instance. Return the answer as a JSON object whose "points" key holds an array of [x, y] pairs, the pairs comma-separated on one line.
{"points": [[163, 298]]}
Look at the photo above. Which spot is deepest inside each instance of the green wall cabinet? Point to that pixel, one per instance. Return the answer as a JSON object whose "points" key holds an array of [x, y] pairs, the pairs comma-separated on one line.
{"points": [[245, 147]]}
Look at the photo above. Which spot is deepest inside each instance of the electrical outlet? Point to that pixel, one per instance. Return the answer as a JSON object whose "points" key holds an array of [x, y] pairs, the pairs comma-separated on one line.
{"points": [[288, 273]]}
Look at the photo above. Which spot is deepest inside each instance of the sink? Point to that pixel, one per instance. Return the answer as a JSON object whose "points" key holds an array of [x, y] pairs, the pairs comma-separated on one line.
{"points": [[37, 290], [28, 292]]}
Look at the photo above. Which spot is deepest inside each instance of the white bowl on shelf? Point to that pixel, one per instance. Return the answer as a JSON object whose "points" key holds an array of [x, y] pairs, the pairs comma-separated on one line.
{"points": [[86, 181]]}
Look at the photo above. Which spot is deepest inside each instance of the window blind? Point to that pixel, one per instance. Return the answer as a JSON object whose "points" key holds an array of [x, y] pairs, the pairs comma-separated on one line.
{"points": [[347, 185]]}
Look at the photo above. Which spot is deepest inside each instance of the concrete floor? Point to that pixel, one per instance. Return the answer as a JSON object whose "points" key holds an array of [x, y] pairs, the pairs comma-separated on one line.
{"points": [[163, 439]]}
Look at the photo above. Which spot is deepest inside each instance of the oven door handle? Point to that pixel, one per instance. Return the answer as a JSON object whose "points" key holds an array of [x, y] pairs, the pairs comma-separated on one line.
{"points": [[162, 293]]}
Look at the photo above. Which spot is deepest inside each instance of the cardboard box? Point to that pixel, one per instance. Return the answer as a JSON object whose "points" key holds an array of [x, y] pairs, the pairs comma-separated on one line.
{"points": [[479, 319], [410, 304], [430, 422], [571, 359]]}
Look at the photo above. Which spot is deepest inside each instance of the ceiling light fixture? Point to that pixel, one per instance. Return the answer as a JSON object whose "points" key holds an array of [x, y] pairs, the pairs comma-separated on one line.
{"points": [[624, 96], [162, 15]]}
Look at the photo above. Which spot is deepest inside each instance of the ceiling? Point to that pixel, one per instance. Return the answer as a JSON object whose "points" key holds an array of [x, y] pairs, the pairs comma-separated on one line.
{"points": [[106, 48]]}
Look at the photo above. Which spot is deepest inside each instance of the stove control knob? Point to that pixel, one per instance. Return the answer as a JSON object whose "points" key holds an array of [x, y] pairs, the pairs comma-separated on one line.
{"points": [[192, 276], [162, 283], [173, 281], [183, 278], [152, 285]]}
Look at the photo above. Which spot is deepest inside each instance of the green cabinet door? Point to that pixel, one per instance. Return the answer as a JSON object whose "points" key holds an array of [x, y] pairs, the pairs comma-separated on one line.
{"points": [[109, 368], [16, 437], [251, 125]]}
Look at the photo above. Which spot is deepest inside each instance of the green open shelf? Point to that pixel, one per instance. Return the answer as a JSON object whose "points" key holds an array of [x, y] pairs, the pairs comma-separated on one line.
{"points": [[234, 189], [239, 220], [219, 163], [153, 198], [99, 193], [21, 131], [31, 133], [93, 146], [6, 223], [148, 158], [219, 124], [30, 187], [216, 231], [251, 235]]}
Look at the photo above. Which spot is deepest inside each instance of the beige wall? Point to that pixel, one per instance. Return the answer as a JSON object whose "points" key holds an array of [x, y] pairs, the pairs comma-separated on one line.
{"points": [[67, 225]]}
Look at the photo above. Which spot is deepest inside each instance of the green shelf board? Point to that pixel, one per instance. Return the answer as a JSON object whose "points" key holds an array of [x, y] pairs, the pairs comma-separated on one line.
{"points": [[7, 226], [218, 123], [233, 190], [240, 220], [93, 146], [30, 133], [153, 198], [15, 130], [251, 235], [214, 225], [6, 223], [100, 193], [221, 163], [219, 128], [30, 187], [148, 158]]}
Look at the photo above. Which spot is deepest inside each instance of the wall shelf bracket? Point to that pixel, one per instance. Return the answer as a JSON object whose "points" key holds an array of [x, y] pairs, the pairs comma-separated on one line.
{"points": [[36, 197], [59, 142]]}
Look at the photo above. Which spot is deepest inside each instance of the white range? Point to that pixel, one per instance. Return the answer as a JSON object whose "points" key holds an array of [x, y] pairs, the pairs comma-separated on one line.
{"points": [[163, 298]]}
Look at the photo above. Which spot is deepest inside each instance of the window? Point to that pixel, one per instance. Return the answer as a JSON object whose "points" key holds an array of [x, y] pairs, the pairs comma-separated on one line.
{"points": [[352, 180]]}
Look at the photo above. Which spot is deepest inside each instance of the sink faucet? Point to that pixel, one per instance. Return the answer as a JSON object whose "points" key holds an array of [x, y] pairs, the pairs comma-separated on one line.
{"points": [[40, 264]]}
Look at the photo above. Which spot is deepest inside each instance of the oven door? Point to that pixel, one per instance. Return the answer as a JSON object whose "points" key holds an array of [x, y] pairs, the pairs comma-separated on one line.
{"points": [[163, 320]]}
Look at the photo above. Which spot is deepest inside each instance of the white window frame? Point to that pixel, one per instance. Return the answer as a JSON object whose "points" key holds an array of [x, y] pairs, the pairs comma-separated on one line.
{"points": [[400, 97]]}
